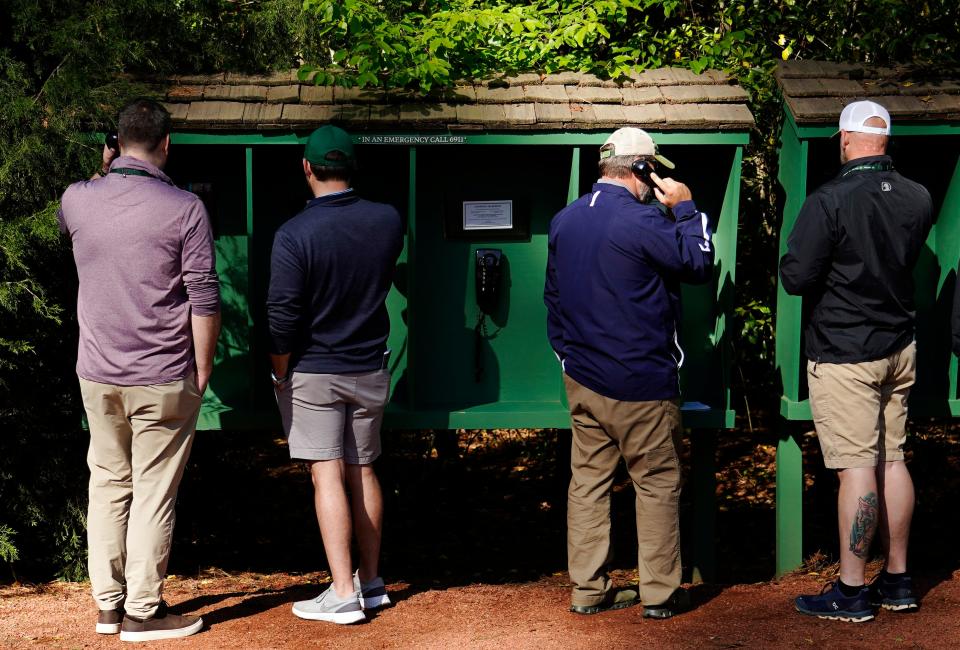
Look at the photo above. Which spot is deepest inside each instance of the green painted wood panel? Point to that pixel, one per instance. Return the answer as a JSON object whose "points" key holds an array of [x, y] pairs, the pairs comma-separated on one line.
{"points": [[432, 305]]}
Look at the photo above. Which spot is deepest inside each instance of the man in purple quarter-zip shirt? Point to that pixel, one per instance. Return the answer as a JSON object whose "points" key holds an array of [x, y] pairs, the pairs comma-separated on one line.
{"points": [[148, 308], [615, 261]]}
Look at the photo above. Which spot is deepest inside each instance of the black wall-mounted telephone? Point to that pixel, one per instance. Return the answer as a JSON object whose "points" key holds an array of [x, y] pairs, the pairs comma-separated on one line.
{"points": [[488, 278], [488, 272]]}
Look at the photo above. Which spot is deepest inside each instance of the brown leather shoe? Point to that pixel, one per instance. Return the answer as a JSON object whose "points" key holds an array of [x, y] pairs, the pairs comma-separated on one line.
{"points": [[162, 625], [108, 621]]}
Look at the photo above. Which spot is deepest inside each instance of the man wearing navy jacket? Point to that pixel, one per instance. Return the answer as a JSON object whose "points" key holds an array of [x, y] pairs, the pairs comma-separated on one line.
{"points": [[614, 266], [330, 271]]}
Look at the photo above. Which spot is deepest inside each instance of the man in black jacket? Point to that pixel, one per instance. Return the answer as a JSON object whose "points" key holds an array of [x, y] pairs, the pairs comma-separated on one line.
{"points": [[851, 256]]}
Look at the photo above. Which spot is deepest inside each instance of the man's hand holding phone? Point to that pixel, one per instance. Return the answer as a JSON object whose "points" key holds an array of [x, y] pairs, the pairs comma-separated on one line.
{"points": [[670, 192], [111, 150]]}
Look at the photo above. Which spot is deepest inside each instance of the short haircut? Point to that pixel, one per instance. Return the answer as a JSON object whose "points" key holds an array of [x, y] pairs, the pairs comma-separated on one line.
{"points": [[617, 166], [144, 124], [327, 173]]}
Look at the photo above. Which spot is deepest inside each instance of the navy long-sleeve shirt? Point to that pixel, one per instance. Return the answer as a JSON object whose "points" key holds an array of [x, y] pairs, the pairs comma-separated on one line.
{"points": [[330, 272], [614, 268]]}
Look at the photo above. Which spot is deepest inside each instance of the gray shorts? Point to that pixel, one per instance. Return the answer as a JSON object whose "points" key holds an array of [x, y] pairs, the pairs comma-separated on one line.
{"points": [[326, 417]]}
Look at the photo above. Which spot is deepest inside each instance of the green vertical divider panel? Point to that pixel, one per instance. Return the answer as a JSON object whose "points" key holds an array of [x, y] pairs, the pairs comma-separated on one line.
{"points": [[573, 193], [948, 251], [789, 498], [401, 317], [220, 176], [717, 349], [935, 392]]}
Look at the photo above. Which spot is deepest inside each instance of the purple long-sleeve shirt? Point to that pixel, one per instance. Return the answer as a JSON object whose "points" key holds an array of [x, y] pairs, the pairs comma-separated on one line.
{"points": [[145, 260]]}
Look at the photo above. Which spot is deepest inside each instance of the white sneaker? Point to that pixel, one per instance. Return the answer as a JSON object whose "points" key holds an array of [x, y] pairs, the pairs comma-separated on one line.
{"points": [[328, 607], [373, 594]]}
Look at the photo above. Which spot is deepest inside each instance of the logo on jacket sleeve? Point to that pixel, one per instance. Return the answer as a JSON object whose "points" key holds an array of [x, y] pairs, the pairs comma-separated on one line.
{"points": [[885, 186]]}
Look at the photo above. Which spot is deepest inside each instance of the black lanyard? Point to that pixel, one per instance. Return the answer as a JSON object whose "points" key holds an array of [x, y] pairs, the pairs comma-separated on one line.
{"points": [[129, 171]]}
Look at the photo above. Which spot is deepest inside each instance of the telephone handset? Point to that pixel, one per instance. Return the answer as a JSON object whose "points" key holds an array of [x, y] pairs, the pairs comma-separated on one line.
{"points": [[642, 170], [488, 278]]}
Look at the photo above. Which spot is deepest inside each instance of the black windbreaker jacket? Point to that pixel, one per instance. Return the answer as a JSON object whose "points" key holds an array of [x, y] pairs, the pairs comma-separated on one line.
{"points": [[851, 255]]}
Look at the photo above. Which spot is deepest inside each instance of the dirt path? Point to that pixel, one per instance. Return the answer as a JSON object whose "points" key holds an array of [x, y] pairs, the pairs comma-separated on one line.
{"points": [[253, 611]]}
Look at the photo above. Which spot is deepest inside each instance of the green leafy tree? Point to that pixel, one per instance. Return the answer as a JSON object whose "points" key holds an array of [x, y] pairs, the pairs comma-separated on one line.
{"points": [[65, 69]]}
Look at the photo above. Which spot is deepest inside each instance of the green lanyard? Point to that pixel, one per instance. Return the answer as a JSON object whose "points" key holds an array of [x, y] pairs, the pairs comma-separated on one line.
{"points": [[872, 167]]}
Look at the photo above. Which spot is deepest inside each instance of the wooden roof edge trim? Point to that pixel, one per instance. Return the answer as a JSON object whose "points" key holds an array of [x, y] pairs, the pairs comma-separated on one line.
{"points": [[815, 69], [459, 127]]}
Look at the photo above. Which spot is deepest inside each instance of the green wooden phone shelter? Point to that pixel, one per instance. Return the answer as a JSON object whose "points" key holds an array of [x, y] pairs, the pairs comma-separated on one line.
{"points": [[925, 146], [484, 165]]}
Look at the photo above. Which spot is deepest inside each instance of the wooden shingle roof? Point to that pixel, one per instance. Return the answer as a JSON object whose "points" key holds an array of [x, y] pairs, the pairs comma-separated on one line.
{"points": [[816, 91], [662, 99]]}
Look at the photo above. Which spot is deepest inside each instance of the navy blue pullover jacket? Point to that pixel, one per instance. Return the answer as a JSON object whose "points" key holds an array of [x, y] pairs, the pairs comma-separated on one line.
{"points": [[330, 272], [614, 268]]}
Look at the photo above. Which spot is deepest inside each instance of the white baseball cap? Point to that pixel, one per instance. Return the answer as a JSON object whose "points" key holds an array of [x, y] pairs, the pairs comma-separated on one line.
{"points": [[856, 114], [631, 141]]}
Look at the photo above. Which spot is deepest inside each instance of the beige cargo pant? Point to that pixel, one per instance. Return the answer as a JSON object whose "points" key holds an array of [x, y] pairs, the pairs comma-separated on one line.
{"points": [[647, 436], [140, 439]]}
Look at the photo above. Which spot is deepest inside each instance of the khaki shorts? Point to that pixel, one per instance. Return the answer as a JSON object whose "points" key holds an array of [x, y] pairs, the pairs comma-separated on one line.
{"points": [[860, 409], [327, 417]]}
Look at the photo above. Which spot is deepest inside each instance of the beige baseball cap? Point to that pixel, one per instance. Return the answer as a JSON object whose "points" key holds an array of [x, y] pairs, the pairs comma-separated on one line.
{"points": [[631, 141]]}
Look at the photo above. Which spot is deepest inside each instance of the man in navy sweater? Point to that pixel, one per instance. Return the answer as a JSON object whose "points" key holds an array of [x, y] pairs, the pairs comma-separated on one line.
{"points": [[330, 272], [614, 267]]}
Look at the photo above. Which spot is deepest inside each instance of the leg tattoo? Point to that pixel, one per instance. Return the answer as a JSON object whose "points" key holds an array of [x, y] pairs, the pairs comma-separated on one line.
{"points": [[864, 525]]}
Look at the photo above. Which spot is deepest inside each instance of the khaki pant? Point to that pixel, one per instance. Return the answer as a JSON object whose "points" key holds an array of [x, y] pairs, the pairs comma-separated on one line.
{"points": [[647, 436], [860, 409], [140, 439]]}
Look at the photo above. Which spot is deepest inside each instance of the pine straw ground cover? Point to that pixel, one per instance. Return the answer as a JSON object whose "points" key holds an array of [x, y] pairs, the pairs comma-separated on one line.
{"points": [[471, 505], [489, 506]]}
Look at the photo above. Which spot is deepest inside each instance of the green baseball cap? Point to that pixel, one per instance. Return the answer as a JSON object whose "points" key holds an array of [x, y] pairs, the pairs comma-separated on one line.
{"points": [[326, 140]]}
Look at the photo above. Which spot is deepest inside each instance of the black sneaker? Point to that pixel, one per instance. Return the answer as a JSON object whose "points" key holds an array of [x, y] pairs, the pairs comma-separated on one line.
{"points": [[109, 620], [893, 593], [678, 603], [615, 599], [832, 604], [162, 625]]}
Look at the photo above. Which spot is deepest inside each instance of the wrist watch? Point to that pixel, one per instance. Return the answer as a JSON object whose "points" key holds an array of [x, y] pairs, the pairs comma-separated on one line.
{"points": [[277, 381]]}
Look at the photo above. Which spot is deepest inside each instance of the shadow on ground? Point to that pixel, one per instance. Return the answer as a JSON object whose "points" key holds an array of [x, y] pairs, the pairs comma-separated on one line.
{"points": [[472, 506]]}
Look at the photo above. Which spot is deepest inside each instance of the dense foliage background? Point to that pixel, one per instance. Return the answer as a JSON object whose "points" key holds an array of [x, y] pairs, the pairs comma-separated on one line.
{"points": [[67, 66]]}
